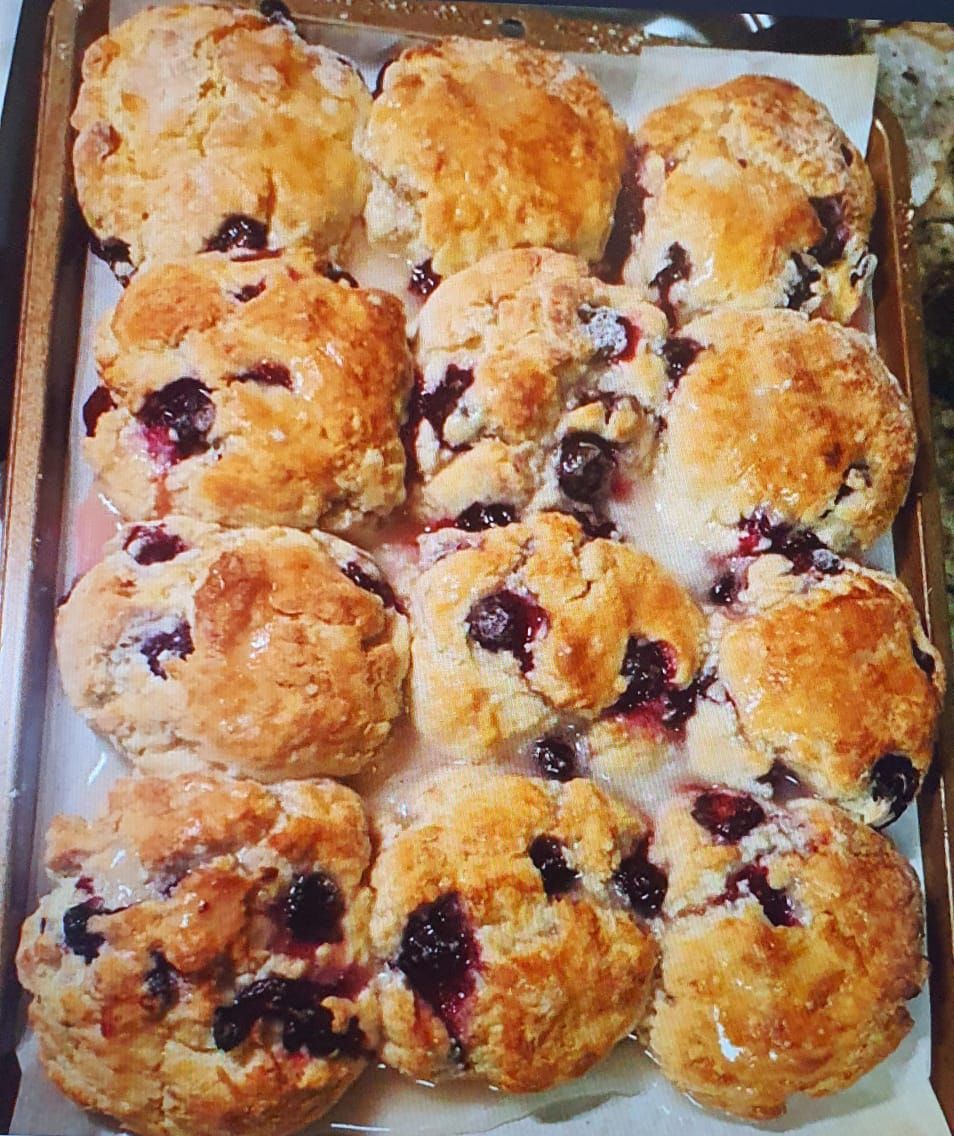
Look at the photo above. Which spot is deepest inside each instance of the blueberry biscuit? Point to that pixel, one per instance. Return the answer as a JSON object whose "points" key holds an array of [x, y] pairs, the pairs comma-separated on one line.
{"points": [[479, 146], [537, 383], [512, 915], [534, 627], [251, 392], [793, 941], [270, 652], [250, 147], [831, 676], [749, 195], [202, 963], [783, 434]]}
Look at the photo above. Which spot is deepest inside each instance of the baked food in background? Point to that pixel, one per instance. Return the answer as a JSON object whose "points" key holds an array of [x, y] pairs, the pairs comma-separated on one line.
{"points": [[783, 434], [201, 964], [271, 653], [479, 145], [251, 392], [793, 941], [833, 677], [250, 147], [538, 386], [749, 195], [515, 952]]}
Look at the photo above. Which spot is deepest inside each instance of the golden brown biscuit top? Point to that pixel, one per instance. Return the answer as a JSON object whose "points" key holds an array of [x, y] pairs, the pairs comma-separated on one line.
{"points": [[771, 123], [789, 965], [170, 823], [303, 383], [800, 418], [809, 850], [538, 335], [834, 676], [496, 145], [592, 596], [163, 174], [760, 191], [472, 833], [196, 879], [211, 934], [278, 652], [523, 870], [219, 319]]}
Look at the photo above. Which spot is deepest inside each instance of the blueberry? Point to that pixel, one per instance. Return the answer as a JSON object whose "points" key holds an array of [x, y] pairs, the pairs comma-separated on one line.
{"points": [[727, 816], [894, 779], [477, 517], [177, 642], [313, 909], [585, 464], [555, 758], [152, 544], [642, 882], [549, 859], [238, 231]]}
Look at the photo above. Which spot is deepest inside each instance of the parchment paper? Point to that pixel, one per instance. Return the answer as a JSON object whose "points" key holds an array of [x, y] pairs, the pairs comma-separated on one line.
{"points": [[625, 1094]]}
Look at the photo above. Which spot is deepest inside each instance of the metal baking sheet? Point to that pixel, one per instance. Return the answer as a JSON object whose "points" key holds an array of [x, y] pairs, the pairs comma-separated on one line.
{"points": [[46, 364]]}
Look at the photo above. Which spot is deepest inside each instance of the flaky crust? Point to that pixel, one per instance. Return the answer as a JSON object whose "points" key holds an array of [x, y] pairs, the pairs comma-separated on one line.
{"points": [[823, 676], [475, 146], [594, 594], [190, 876], [531, 327], [741, 177], [315, 444], [275, 663], [799, 418], [559, 979], [749, 1012], [252, 121]]}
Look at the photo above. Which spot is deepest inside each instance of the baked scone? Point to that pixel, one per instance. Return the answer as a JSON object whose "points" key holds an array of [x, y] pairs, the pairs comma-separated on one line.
{"points": [[534, 627], [270, 652], [475, 146], [250, 147], [793, 941], [784, 434], [515, 952], [251, 393], [749, 195], [831, 676], [202, 963], [536, 382]]}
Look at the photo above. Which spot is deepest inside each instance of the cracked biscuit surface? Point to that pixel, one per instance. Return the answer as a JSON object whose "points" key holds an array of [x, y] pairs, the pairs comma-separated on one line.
{"points": [[833, 677], [538, 384], [270, 652], [793, 942], [202, 962], [251, 145], [251, 392], [749, 195], [475, 146], [780, 422], [534, 625], [514, 956]]}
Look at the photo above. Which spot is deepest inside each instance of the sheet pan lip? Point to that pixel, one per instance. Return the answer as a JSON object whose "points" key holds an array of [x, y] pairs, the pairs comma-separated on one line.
{"points": [[21, 500], [921, 560]]}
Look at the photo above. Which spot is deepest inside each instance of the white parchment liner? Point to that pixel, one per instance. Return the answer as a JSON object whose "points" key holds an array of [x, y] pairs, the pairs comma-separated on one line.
{"points": [[625, 1094]]}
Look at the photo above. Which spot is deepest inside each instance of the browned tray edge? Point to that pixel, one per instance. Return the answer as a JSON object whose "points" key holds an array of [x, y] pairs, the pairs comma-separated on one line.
{"points": [[34, 480], [40, 423], [919, 551]]}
